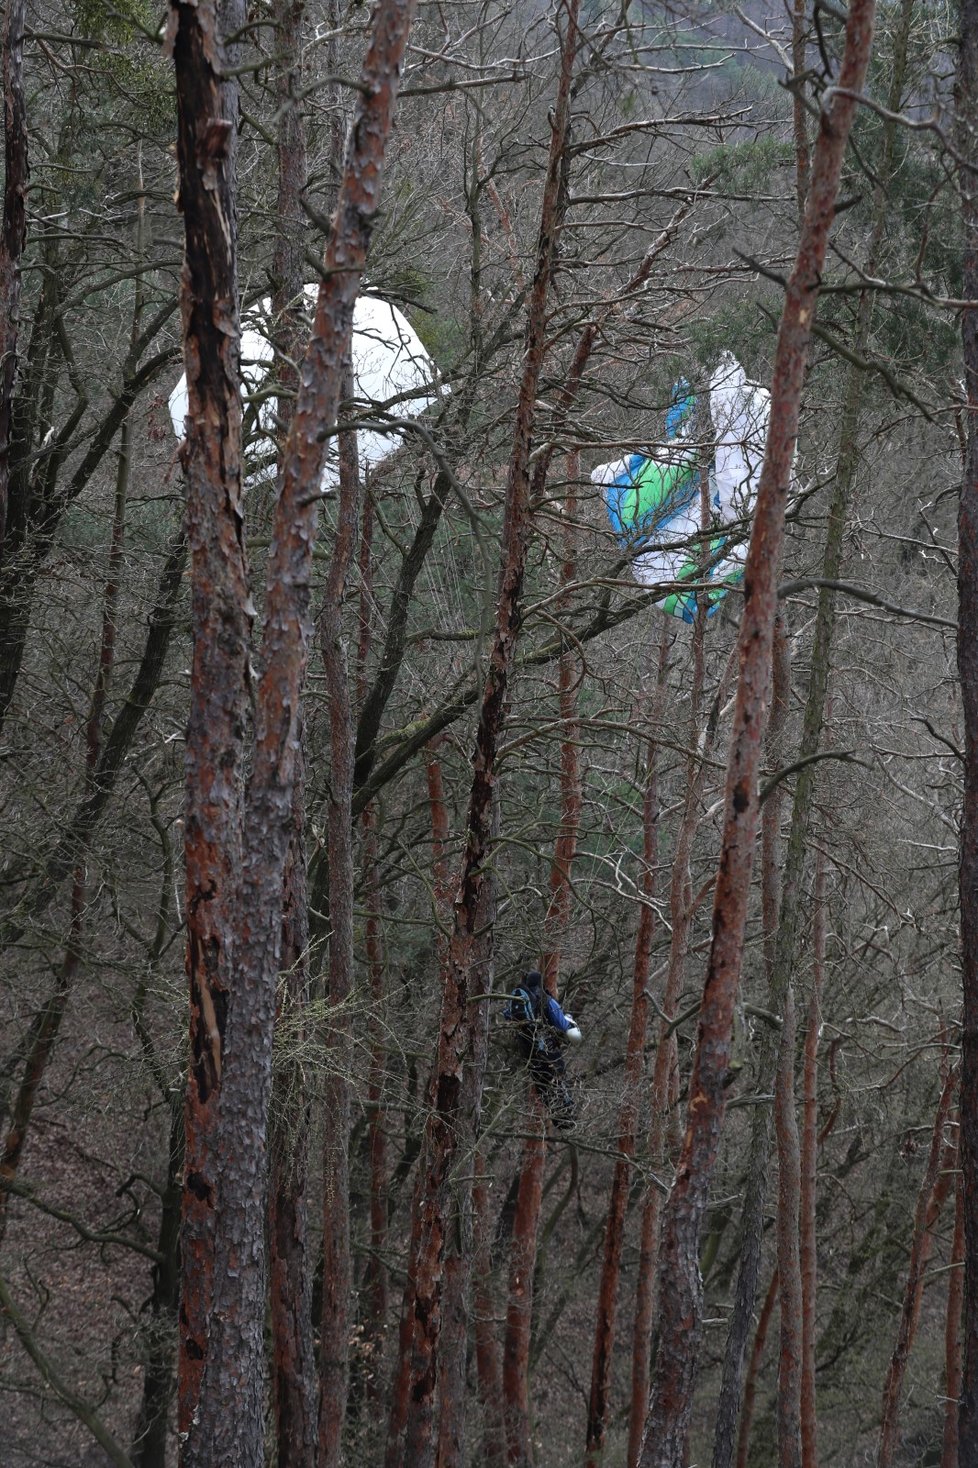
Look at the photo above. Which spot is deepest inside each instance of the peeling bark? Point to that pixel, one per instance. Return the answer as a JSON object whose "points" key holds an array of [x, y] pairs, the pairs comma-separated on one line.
{"points": [[221, 627], [236, 850]]}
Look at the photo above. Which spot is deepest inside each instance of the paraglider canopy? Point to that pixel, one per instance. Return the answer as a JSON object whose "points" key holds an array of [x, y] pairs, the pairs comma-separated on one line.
{"points": [[393, 374], [653, 499]]}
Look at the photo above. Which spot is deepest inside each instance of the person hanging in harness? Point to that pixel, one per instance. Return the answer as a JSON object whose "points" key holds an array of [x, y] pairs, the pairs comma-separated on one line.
{"points": [[542, 1029]]}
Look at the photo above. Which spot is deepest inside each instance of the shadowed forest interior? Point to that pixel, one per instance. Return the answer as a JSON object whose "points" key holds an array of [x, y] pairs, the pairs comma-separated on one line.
{"points": [[489, 491]]}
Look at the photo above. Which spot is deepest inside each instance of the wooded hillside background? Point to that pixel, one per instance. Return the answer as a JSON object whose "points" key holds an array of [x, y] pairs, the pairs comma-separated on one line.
{"points": [[346, 766]]}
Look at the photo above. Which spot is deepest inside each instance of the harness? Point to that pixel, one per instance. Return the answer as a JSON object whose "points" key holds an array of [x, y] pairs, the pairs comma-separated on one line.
{"points": [[541, 1051], [526, 1011]]}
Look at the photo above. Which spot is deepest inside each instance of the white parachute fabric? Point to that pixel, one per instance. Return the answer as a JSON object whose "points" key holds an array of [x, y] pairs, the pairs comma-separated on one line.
{"points": [[740, 411], [394, 378], [653, 498]]}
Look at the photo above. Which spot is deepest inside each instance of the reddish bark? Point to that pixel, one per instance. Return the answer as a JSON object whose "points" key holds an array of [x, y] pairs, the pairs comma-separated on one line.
{"points": [[786, 947], [221, 628], [679, 1283], [952, 1335], [934, 1187], [966, 107], [457, 1081], [228, 1424], [13, 229], [452, 1351]]}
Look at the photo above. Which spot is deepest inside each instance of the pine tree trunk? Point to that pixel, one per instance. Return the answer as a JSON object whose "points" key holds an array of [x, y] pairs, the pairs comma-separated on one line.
{"points": [[224, 1271], [221, 629], [679, 1283], [756, 1183], [457, 1080]]}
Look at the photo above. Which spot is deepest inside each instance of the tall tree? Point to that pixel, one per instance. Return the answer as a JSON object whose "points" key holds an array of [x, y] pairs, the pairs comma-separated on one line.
{"points": [[290, 1282], [455, 1098], [237, 848], [679, 1282], [966, 135]]}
